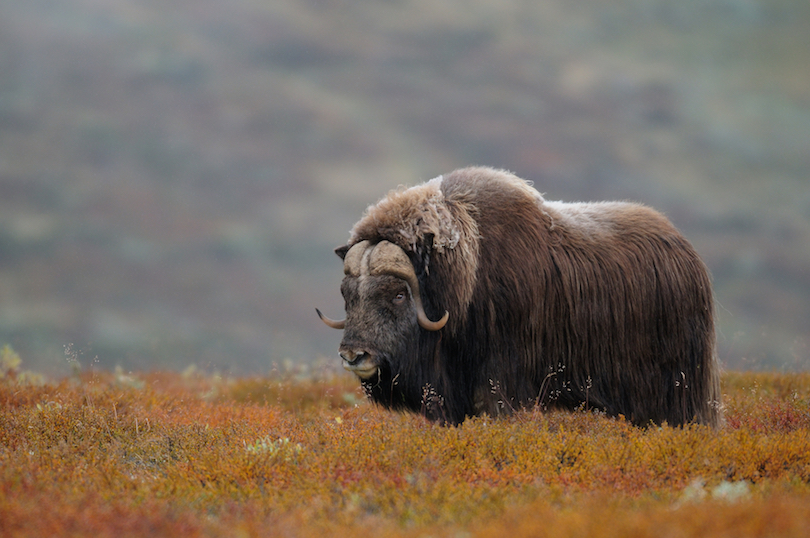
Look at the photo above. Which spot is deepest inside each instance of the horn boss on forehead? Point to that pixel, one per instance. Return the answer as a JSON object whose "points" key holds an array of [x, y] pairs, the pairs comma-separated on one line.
{"points": [[353, 259], [385, 258], [561, 305]]}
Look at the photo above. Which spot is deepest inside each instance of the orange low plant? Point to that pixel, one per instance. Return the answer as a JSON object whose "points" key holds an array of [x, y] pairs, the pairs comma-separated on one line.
{"points": [[165, 454]]}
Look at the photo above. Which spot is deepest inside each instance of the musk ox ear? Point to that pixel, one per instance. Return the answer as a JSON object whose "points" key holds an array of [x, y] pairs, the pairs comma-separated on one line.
{"points": [[341, 251]]}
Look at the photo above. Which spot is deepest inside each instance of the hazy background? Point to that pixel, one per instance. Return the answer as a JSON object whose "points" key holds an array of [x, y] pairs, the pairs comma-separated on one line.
{"points": [[174, 174]]}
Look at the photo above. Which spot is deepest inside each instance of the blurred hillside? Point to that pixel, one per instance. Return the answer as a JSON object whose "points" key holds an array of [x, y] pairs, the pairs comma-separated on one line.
{"points": [[174, 175]]}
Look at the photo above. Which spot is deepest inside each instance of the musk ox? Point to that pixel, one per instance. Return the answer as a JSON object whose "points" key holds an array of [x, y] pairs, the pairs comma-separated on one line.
{"points": [[472, 294]]}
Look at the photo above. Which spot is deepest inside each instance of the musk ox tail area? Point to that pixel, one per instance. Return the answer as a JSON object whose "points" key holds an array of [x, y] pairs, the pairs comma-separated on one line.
{"points": [[563, 305]]}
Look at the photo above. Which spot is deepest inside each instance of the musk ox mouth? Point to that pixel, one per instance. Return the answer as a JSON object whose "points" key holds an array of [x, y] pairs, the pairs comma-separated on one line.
{"points": [[364, 365], [364, 369]]}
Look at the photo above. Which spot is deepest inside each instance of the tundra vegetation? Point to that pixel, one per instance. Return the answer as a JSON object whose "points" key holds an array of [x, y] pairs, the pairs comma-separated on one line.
{"points": [[303, 453]]}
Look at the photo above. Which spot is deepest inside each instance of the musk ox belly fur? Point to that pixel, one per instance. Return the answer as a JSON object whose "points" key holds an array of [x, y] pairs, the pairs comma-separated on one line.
{"points": [[471, 294]]}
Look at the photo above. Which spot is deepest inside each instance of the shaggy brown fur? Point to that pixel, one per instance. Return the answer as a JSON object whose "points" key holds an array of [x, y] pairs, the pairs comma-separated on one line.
{"points": [[602, 305]]}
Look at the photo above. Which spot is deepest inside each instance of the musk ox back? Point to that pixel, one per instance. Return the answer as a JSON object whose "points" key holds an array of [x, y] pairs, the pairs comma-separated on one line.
{"points": [[471, 294]]}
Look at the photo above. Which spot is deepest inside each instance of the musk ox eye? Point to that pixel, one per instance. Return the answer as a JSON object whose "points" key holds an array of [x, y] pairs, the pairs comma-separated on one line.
{"points": [[399, 298]]}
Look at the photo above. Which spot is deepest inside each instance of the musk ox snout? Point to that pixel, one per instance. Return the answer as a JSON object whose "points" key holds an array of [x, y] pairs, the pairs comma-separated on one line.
{"points": [[361, 363]]}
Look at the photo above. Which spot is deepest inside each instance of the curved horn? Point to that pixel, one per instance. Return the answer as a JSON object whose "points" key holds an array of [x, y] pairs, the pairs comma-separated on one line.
{"points": [[391, 259], [330, 322], [424, 322]]}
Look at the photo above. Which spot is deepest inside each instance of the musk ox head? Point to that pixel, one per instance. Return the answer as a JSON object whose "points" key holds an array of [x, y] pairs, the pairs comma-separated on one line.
{"points": [[383, 308]]}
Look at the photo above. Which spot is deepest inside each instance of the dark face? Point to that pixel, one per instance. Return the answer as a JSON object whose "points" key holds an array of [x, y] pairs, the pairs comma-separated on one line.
{"points": [[381, 325]]}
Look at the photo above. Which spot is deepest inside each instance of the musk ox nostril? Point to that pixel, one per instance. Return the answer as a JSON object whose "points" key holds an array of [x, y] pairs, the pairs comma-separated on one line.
{"points": [[352, 357]]}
